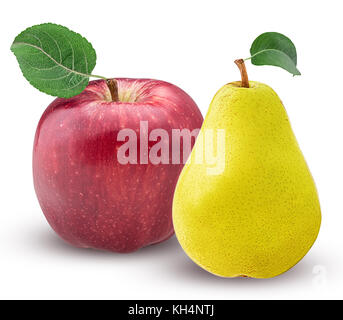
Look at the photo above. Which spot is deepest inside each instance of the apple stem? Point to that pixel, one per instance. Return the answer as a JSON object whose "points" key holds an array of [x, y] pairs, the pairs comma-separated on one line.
{"points": [[113, 86], [244, 75]]}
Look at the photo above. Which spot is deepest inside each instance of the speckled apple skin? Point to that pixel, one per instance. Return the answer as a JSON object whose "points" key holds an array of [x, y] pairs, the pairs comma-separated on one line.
{"points": [[87, 196]]}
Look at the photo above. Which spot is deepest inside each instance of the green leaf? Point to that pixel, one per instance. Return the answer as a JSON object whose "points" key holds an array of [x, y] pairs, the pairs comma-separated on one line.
{"points": [[274, 49], [54, 59]]}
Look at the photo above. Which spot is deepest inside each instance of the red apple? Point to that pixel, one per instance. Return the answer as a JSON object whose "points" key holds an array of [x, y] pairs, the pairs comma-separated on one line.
{"points": [[91, 199]]}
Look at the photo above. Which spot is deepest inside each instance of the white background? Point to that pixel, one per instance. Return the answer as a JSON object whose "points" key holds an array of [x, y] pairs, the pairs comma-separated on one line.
{"points": [[191, 44]]}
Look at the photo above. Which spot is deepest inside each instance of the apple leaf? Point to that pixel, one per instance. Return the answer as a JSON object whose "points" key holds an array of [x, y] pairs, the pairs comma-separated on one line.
{"points": [[274, 49], [54, 59]]}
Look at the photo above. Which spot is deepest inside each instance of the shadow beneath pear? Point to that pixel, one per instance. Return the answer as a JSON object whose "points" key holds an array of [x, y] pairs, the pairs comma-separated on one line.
{"points": [[301, 272]]}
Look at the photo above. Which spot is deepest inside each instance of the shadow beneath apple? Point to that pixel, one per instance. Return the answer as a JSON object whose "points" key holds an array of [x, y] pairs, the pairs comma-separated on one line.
{"points": [[47, 239]]}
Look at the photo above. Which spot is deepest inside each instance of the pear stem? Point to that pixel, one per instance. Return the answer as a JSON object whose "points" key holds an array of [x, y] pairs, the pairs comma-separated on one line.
{"points": [[113, 86], [244, 75]]}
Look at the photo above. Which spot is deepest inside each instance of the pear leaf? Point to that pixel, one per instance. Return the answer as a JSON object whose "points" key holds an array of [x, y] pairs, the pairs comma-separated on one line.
{"points": [[274, 49], [54, 59]]}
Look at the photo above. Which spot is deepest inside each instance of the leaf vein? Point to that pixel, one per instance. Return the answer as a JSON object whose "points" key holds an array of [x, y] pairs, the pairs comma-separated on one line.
{"points": [[52, 59], [58, 47]]}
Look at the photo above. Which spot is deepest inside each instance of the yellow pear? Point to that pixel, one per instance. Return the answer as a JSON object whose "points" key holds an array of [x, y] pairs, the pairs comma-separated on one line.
{"points": [[255, 212]]}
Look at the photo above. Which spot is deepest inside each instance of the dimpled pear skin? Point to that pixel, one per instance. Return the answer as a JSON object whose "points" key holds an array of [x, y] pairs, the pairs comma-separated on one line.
{"points": [[261, 214]]}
